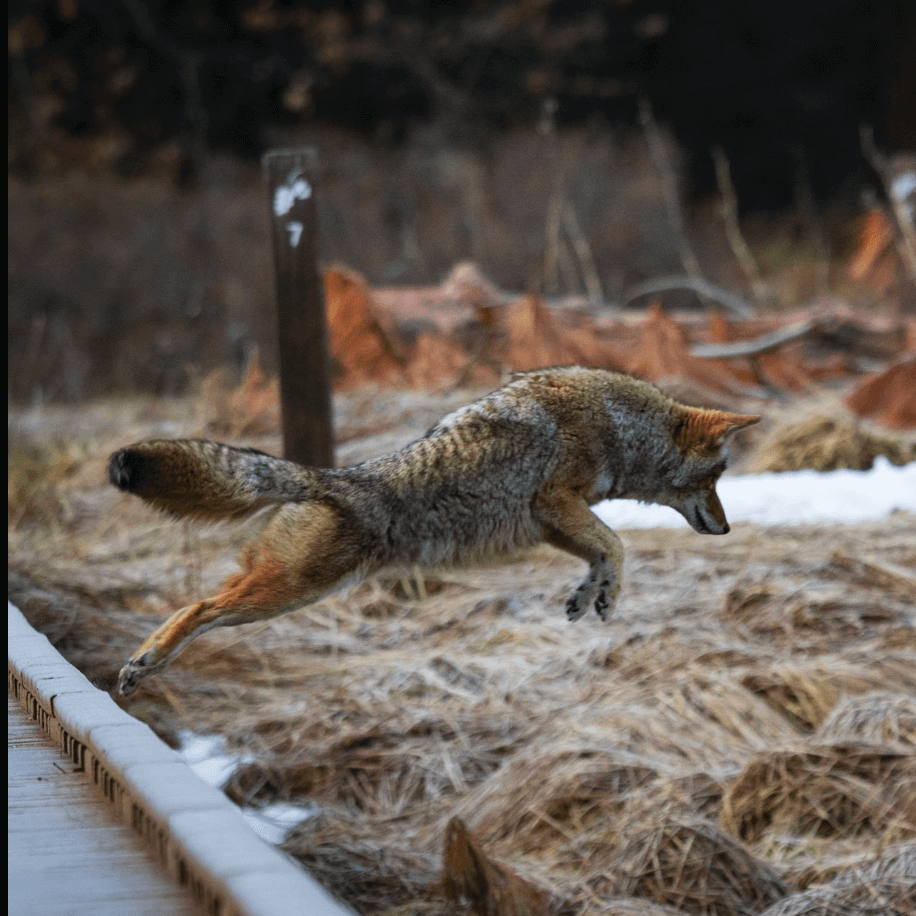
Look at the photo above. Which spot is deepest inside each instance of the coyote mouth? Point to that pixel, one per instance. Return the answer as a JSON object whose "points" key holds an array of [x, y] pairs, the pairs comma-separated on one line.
{"points": [[701, 525]]}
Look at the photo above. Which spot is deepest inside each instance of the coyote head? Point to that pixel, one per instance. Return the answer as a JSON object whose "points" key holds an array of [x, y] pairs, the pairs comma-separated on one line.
{"points": [[699, 436]]}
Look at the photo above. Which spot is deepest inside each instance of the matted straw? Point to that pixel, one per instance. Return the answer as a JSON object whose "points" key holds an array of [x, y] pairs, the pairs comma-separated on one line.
{"points": [[547, 793], [679, 858], [826, 444], [829, 790], [880, 717], [885, 886]]}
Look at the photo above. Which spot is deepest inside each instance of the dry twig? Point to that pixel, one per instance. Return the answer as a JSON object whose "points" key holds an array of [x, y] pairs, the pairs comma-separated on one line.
{"points": [[739, 246], [658, 149], [702, 287], [899, 196]]}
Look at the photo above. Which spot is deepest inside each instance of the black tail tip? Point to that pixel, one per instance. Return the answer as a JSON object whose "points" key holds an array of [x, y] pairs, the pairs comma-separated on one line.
{"points": [[125, 469]]}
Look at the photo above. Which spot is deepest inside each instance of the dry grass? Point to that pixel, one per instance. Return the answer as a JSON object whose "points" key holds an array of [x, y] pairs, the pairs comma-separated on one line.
{"points": [[838, 790], [826, 443], [739, 739], [689, 862], [874, 886], [880, 718]]}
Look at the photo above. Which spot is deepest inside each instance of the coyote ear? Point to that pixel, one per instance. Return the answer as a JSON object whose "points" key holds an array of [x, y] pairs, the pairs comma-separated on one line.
{"points": [[732, 422], [705, 430]]}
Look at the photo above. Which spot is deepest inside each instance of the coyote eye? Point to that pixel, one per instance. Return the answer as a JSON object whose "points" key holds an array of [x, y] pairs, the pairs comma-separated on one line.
{"points": [[710, 475]]}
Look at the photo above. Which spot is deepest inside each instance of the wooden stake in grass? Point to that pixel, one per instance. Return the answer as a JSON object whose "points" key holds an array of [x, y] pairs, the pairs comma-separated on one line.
{"points": [[305, 385]]}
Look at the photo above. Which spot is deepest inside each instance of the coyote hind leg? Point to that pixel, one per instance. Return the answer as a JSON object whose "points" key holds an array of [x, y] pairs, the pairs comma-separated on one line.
{"points": [[299, 559], [244, 598]]}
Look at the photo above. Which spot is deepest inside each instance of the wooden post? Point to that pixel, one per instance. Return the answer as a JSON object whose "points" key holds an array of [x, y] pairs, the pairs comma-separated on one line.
{"points": [[305, 377]]}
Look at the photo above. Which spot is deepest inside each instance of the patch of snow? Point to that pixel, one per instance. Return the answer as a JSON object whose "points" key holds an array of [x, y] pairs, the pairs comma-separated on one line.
{"points": [[272, 822], [207, 757]]}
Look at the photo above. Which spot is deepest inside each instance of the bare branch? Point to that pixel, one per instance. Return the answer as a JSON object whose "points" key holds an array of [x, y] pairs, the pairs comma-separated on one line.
{"points": [[583, 254], [898, 194], [658, 149], [735, 304], [739, 246], [766, 343]]}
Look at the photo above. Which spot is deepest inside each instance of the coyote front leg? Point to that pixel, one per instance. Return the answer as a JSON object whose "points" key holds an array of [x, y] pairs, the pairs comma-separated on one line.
{"points": [[573, 527]]}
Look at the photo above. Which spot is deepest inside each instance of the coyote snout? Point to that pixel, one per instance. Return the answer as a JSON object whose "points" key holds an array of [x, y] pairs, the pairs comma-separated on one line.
{"points": [[703, 510]]}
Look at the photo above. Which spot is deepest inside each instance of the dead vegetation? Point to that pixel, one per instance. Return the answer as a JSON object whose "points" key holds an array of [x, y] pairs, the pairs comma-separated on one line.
{"points": [[826, 443], [739, 739], [839, 790]]}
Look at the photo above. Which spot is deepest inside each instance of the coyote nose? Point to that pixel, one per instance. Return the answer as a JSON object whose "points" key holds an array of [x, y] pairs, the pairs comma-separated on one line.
{"points": [[726, 528]]}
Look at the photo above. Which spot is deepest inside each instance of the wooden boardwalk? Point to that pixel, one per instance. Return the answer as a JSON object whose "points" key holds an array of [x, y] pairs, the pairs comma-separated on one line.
{"points": [[105, 819], [68, 854]]}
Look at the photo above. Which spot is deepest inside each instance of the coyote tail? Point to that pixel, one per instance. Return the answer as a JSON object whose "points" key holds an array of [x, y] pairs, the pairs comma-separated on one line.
{"points": [[195, 478]]}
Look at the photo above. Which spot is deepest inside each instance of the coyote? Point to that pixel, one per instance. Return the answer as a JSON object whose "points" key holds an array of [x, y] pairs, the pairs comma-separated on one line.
{"points": [[519, 467]]}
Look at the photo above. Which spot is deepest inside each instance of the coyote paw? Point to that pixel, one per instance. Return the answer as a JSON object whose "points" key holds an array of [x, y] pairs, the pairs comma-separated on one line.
{"points": [[592, 592], [135, 671], [576, 605], [603, 601]]}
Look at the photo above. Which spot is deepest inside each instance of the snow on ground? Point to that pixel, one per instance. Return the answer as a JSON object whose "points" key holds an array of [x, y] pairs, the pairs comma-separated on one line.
{"points": [[792, 498], [207, 757]]}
